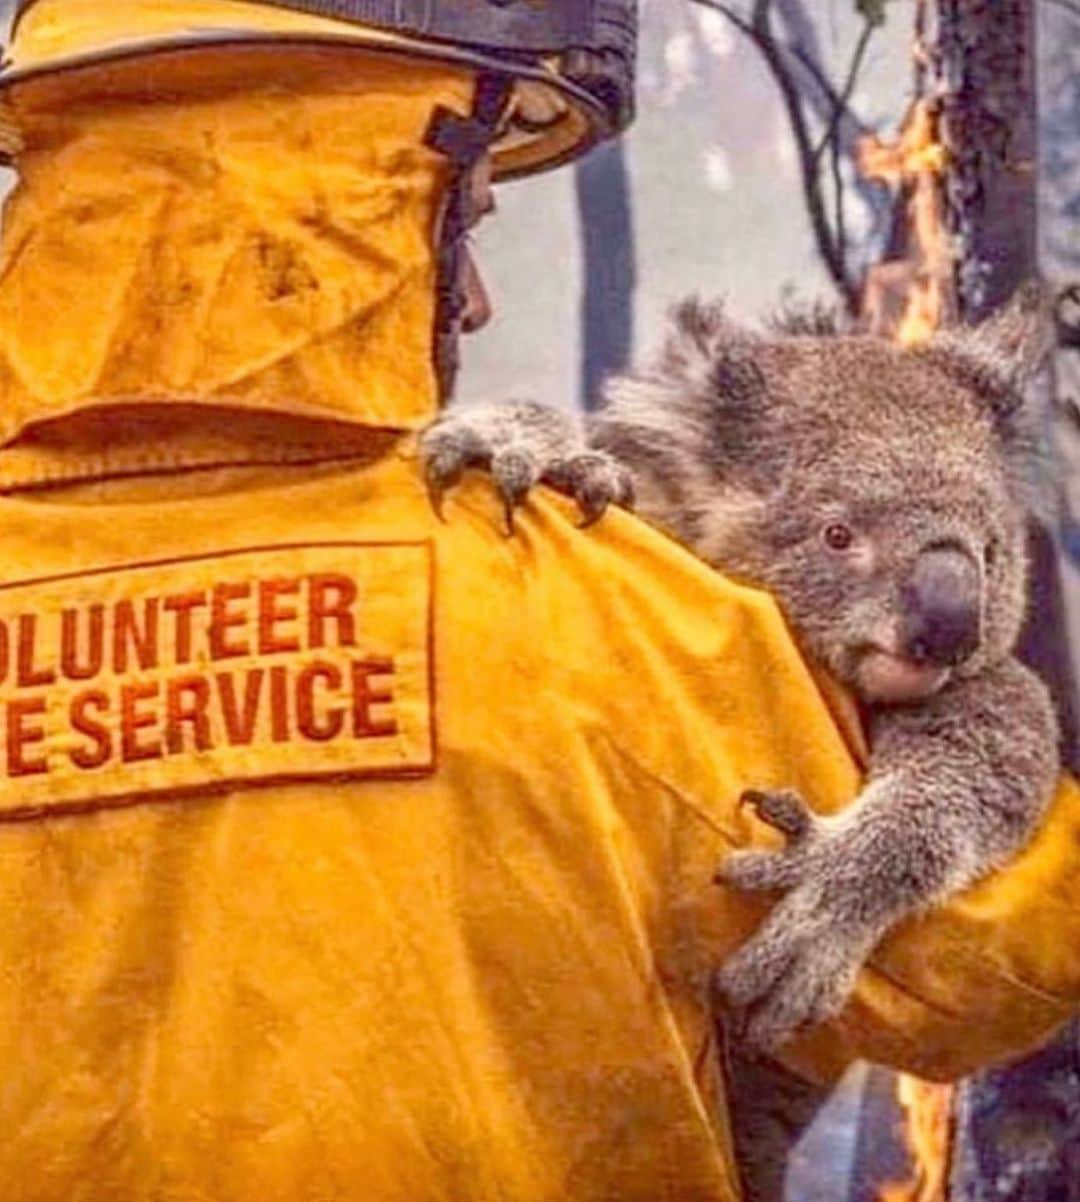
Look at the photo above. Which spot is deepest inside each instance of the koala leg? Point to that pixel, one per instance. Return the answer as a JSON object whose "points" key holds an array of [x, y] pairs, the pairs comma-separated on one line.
{"points": [[956, 787], [522, 444]]}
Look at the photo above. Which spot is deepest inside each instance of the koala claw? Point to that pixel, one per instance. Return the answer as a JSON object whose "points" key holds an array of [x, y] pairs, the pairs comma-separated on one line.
{"points": [[786, 979], [783, 809], [437, 487], [446, 453], [759, 871], [515, 472], [595, 480]]}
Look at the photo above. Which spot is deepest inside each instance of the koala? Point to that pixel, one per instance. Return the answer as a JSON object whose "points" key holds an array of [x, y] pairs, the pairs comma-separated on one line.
{"points": [[880, 494]]}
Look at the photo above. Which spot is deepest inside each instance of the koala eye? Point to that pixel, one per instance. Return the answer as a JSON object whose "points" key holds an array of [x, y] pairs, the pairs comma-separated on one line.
{"points": [[838, 537]]}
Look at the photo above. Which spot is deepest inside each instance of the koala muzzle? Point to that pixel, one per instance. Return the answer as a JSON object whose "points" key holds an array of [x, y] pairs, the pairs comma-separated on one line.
{"points": [[941, 607]]}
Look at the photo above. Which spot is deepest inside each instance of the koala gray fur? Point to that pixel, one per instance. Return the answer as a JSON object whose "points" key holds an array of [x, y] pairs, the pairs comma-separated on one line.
{"points": [[878, 492]]}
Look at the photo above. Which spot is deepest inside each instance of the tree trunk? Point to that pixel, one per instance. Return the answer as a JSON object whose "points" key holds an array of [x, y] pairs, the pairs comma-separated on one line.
{"points": [[1017, 1131], [982, 54], [607, 231]]}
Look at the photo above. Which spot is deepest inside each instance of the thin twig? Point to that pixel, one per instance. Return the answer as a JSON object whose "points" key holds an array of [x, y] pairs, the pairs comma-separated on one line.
{"points": [[841, 103], [725, 10], [758, 29], [813, 69], [839, 199], [831, 137]]}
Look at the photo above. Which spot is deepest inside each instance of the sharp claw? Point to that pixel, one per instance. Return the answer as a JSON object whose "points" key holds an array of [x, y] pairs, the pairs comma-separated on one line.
{"points": [[509, 505], [512, 499], [436, 495], [591, 514], [439, 484], [782, 812]]}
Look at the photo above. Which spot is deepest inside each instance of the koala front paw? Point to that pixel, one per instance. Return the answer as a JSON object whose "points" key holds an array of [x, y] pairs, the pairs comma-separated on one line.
{"points": [[461, 441], [783, 809], [768, 871], [797, 971], [522, 444], [595, 480], [446, 449]]}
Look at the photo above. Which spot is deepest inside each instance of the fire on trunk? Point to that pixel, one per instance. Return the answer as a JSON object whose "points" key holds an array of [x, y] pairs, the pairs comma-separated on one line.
{"points": [[926, 1109], [911, 293]]}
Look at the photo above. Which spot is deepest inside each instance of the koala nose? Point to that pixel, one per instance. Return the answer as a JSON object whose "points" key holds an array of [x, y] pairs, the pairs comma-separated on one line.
{"points": [[941, 607]]}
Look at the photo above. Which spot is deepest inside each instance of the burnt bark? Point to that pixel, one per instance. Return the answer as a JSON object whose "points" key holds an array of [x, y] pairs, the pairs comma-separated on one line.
{"points": [[982, 70], [1017, 1129], [983, 57]]}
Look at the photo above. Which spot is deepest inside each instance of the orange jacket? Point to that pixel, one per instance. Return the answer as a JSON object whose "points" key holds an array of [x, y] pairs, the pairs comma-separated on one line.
{"points": [[359, 855], [347, 854]]}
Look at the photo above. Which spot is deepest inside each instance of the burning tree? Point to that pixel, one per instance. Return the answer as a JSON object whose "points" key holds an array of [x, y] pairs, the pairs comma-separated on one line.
{"points": [[962, 237]]}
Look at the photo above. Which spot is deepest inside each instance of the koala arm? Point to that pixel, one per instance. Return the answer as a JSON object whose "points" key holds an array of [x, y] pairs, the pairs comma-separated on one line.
{"points": [[956, 787], [522, 444]]}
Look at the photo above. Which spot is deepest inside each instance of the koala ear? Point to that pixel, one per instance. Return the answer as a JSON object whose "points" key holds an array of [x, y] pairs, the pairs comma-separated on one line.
{"points": [[998, 358], [712, 355], [698, 403]]}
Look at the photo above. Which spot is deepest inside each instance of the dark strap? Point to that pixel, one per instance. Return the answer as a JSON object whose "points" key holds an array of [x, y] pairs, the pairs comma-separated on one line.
{"points": [[463, 140]]}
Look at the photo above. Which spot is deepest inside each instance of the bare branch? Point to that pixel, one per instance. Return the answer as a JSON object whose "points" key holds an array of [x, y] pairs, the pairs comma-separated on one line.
{"points": [[736, 18], [839, 198], [843, 100], [830, 138], [758, 28]]}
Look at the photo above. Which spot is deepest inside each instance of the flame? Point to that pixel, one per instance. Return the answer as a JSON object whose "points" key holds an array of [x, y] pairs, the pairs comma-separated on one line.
{"points": [[909, 297], [927, 1108]]}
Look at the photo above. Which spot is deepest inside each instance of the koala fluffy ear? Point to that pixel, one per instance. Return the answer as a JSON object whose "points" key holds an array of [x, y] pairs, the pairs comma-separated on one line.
{"points": [[698, 402], [713, 356], [998, 358]]}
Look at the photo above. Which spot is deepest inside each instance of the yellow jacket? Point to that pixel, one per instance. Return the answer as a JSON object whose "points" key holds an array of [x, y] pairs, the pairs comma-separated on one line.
{"points": [[391, 878], [347, 854]]}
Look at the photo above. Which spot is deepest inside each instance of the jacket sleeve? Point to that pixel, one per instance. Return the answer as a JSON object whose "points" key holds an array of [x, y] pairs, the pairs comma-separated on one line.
{"points": [[983, 979], [723, 702]]}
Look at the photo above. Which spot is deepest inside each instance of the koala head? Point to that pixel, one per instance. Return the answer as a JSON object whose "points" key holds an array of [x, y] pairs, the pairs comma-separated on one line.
{"points": [[877, 491]]}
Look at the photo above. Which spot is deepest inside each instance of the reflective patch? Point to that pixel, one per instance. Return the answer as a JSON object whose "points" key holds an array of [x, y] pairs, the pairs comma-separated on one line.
{"points": [[124, 684]]}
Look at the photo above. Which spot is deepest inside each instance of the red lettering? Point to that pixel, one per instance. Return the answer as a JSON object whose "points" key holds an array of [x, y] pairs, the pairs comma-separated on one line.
{"points": [[132, 720], [272, 613], [331, 597], [129, 635], [186, 702], [70, 665], [240, 721], [307, 721], [279, 704], [184, 605], [20, 735], [222, 620], [365, 696], [97, 732], [29, 675]]}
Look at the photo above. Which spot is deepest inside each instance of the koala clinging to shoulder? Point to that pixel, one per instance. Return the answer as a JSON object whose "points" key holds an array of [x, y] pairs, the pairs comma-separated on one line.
{"points": [[878, 492]]}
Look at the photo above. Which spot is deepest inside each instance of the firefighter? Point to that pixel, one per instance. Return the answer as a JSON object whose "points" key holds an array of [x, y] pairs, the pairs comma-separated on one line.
{"points": [[346, 853]]}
